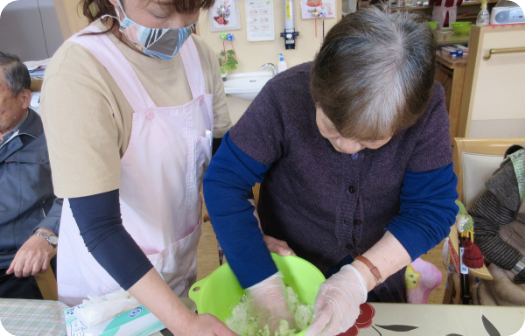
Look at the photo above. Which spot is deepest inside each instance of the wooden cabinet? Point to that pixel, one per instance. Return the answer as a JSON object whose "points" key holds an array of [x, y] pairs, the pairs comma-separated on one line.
{"points": [[451, 74], [492, 103], [484, 96]]}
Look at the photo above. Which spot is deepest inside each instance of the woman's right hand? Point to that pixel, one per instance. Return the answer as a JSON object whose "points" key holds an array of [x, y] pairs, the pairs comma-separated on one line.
{"points": [[337, 303], [269, 303], [206, 325], [154, 294]]}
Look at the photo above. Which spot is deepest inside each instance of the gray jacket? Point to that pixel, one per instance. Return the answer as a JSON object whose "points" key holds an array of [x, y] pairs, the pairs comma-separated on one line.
{"points": [[27, 201]]}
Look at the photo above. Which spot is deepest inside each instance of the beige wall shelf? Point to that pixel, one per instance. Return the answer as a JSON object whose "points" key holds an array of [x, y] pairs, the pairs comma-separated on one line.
{"points": [[472, 3], [468, 3], [410, 8]]}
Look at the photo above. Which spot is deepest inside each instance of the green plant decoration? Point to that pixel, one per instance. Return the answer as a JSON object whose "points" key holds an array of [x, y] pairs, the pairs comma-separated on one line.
{"points": [[228, 61]]}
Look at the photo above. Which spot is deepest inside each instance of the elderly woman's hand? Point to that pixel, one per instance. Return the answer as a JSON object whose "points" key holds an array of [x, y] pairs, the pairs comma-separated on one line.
{"points": [[269, 303], [274, 245], [278, 246], [337, 303]]}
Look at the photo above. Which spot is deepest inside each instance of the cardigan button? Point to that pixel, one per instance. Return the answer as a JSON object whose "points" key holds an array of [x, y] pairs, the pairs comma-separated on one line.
{"points": [[351, 189]]}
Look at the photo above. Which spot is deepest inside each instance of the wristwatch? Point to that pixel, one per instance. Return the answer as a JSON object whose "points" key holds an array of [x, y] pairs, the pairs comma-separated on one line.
{"points": [[51, 238], [520, 265]]}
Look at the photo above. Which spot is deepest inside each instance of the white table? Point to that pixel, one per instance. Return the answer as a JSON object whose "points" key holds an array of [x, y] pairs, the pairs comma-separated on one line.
{"points": [[36, 317], [443, 320]]}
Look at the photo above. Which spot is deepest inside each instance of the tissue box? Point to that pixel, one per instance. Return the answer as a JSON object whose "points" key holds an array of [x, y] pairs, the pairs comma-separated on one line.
{"points": [[448, 51], [465, 49], [451, 52], [135, 322]]}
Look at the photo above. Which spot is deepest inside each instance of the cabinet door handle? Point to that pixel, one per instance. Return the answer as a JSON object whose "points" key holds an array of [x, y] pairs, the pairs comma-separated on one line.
{"points": [[503, 51]]}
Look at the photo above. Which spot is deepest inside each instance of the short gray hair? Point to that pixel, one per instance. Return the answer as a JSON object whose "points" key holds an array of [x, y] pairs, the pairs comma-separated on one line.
{"points": [[374, 74], [15, 73]]}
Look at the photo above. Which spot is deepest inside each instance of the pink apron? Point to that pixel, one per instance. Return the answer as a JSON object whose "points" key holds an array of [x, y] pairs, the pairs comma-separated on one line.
{"points": [[161, 175], [440, 13]]}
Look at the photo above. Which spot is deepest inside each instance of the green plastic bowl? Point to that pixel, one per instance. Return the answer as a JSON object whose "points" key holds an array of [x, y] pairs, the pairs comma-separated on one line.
{"points": [[461, 27], [432, 24], [220, 291]]}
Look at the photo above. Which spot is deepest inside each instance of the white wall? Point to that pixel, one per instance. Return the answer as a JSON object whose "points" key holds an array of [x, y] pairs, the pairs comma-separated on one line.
{"points": [[252, 55], [30, 29]]}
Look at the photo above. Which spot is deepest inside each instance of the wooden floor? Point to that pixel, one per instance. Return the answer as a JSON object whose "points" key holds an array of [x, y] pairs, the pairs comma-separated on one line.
{"points": [[208, 260]]}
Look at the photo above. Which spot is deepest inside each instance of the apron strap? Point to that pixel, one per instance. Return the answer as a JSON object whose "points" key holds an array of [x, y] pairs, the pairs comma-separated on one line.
{"points": [[107, 53], [192, 66]]}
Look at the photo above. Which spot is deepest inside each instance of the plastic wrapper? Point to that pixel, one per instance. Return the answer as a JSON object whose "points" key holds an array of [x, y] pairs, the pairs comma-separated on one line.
{"points": [[97, 310]]}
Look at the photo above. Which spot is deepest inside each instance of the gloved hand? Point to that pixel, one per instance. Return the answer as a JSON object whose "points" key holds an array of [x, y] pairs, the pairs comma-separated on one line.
{"points": [[269, 303], [337, 303]]}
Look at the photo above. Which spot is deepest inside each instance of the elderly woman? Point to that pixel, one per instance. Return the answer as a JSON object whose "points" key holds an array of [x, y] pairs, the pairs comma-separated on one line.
{"points": [[353, 153]]}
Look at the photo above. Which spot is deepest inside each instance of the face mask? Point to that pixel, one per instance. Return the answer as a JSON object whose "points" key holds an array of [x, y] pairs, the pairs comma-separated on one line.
{"points": [[154, 42]]}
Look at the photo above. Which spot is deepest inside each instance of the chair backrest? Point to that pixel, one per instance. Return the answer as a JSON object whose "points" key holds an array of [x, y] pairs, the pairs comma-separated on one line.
{"points": [[475, 160], [47, 284]]}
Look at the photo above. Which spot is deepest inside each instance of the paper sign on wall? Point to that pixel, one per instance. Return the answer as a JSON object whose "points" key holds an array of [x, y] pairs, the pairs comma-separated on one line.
{"points": [[224, 15], [310, 9], [260, 20]]}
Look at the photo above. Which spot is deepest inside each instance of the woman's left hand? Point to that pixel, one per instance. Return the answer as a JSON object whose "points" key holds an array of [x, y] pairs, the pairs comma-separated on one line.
{"points": [[337, 304], [278, 246], [274, 245]]}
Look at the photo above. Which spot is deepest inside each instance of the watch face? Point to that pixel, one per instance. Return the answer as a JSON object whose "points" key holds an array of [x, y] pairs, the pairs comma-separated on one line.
{"points": [[53, 240]]}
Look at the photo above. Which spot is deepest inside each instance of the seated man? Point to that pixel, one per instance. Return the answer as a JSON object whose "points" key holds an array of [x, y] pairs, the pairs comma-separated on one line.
{"points": [[29, 211], [499, 232]]}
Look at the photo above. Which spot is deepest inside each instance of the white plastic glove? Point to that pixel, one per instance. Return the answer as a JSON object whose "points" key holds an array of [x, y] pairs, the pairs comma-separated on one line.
{"points": [[269, 303], [96, 309], [337, 303]]}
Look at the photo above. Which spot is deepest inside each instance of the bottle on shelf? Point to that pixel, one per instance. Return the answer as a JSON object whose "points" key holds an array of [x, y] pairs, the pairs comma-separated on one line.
{"points": [[281, 66], [483, 16]]}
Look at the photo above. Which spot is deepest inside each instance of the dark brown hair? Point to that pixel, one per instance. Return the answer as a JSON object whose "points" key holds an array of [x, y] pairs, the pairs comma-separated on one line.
{"points": [[374, 74], [94, 9]]}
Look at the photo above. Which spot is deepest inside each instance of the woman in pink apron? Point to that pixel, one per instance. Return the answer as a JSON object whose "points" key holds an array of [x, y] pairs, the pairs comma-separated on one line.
{"points": [[131, 105]]}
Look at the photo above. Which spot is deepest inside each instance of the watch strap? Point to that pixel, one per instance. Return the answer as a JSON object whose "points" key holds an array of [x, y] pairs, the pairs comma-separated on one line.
{"points": [[46, 236], [372, 267]]}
